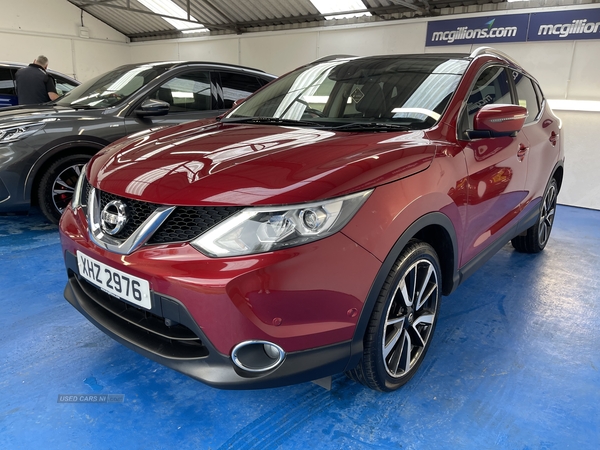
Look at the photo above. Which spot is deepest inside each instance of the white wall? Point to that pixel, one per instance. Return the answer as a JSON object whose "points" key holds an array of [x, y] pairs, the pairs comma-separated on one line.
{"points": [[29, 28], [566, 70]]}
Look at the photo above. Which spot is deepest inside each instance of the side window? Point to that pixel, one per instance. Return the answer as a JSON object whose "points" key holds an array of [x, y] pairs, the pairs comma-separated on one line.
{"points": [[237, 86], [527, 96], [7, 85], [8, 96], [187, 92], [492, 87], [63, 85]]}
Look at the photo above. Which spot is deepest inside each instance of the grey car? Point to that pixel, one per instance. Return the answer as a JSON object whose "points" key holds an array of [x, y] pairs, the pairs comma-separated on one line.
{"points": [[44, 147]]}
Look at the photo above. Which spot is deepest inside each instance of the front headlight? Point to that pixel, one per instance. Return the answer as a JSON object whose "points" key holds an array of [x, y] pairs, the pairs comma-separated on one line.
{"points": [[17, 132], [265, 229], [77, 193]]}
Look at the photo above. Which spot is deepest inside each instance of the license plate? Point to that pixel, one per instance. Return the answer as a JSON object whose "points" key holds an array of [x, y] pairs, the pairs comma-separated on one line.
{"points": [[115, 282]]}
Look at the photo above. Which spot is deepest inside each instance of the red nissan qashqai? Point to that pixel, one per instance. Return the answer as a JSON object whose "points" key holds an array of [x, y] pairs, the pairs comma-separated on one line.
{"points": [[314, 228]]}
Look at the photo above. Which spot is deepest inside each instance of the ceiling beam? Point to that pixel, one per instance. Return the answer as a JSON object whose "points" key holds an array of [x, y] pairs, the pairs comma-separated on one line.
{"points": [[397, 7], [152, 13], [410, 5], [224, 16]]}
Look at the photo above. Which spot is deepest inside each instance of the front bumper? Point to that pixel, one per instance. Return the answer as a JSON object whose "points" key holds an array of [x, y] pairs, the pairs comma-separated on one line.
{"points": [[198, 358], [306, 300]]}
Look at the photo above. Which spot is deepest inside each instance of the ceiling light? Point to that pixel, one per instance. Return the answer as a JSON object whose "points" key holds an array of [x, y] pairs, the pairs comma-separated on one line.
{"points": [[329, 7], [168, 8]]}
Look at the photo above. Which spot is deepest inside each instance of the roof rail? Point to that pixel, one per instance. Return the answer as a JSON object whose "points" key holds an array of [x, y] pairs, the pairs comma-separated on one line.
{"points": [[492, 51], [332, 57]]}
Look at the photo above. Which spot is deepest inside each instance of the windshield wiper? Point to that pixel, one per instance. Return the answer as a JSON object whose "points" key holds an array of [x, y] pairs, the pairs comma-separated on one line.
{"points": [[371, 126], [75, 106], [272, 121]]}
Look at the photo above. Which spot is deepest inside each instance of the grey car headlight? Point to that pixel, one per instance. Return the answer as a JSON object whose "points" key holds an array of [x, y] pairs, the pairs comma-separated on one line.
{"points": [[264, 229], [14, 133]]}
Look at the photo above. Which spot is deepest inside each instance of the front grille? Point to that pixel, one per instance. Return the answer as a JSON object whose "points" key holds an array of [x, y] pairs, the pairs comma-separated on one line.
{"points": [[188, 222], [142, 327], [183, 224], [137, 212]]}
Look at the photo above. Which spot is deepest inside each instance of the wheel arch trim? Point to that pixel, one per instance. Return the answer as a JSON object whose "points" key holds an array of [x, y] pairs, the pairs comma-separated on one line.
{"points": [[58, 149], [437, 219]]}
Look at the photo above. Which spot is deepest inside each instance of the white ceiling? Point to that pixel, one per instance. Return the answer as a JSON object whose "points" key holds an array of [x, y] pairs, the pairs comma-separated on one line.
{"points": [[134, 20]]}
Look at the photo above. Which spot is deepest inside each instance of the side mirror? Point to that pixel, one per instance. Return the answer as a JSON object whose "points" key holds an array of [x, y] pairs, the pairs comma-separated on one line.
{"points": [[497, 121], [151, 107]]}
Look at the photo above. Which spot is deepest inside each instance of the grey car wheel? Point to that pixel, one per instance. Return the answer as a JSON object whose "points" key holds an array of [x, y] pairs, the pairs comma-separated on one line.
{"points": [[58, 184], [403, 320]]}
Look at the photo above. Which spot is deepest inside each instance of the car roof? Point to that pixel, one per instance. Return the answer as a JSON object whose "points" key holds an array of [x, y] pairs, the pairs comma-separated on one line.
{"points": [[174, 64], [480, 51]]}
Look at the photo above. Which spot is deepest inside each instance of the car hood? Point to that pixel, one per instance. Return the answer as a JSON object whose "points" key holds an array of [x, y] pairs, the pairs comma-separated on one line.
{"points": [[36, 113], [234, 164]]}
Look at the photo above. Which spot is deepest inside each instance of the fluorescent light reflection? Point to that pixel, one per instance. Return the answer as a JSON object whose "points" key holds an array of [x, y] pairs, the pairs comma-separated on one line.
{"points": [[168, 8], [575, 105]]}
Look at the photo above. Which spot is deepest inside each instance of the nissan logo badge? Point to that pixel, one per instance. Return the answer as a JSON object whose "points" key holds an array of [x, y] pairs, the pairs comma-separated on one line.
{"points": [[113, 217]]}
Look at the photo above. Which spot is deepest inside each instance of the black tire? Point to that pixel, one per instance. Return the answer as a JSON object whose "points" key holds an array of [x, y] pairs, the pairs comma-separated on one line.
{"points": [[536, 237], [406, 311], [58, 184]]}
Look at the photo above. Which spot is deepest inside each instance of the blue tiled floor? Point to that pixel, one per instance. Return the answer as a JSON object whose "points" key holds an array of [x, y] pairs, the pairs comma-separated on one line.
{"points": [[514, 364]]}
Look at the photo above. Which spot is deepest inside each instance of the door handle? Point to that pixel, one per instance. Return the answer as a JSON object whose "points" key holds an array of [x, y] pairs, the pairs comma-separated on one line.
{"points": [[553, 139], [522, 152]]}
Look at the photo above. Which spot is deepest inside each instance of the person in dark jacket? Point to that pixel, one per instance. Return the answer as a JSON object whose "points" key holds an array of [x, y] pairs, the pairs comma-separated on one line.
{"points": [[34, 85]]}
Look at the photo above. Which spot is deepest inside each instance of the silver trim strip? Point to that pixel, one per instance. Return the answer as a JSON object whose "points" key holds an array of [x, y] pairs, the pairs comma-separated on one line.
{"points": [[136, 240]]}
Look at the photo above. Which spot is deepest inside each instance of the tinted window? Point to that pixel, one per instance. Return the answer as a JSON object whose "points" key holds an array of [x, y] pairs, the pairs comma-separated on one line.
{"points": [[188, 92], [63, 85], [492, 87], [237, 86], [7, 85], [527, 96]]}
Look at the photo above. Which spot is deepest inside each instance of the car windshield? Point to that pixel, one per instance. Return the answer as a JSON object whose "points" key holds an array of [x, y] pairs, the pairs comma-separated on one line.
{"points": [[358, 94], [112, 87]]}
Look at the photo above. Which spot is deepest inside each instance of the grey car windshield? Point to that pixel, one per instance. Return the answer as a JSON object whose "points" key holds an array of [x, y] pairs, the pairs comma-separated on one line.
{"points": [[398, 91], [112, 87]]}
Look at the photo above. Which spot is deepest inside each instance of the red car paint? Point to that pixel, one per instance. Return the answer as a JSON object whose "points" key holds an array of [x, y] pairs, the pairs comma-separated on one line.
{"points": [[314, 295]]}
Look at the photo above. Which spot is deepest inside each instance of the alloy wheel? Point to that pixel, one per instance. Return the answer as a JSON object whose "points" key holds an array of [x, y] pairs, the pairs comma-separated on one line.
{"points": [[547, 215], [410, 317], [63, 186]]}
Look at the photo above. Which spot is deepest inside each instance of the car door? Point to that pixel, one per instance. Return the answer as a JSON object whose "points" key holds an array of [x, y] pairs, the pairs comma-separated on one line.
{"points": [[496, 167], [8, 95], [542, 133], [190, 95]]}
